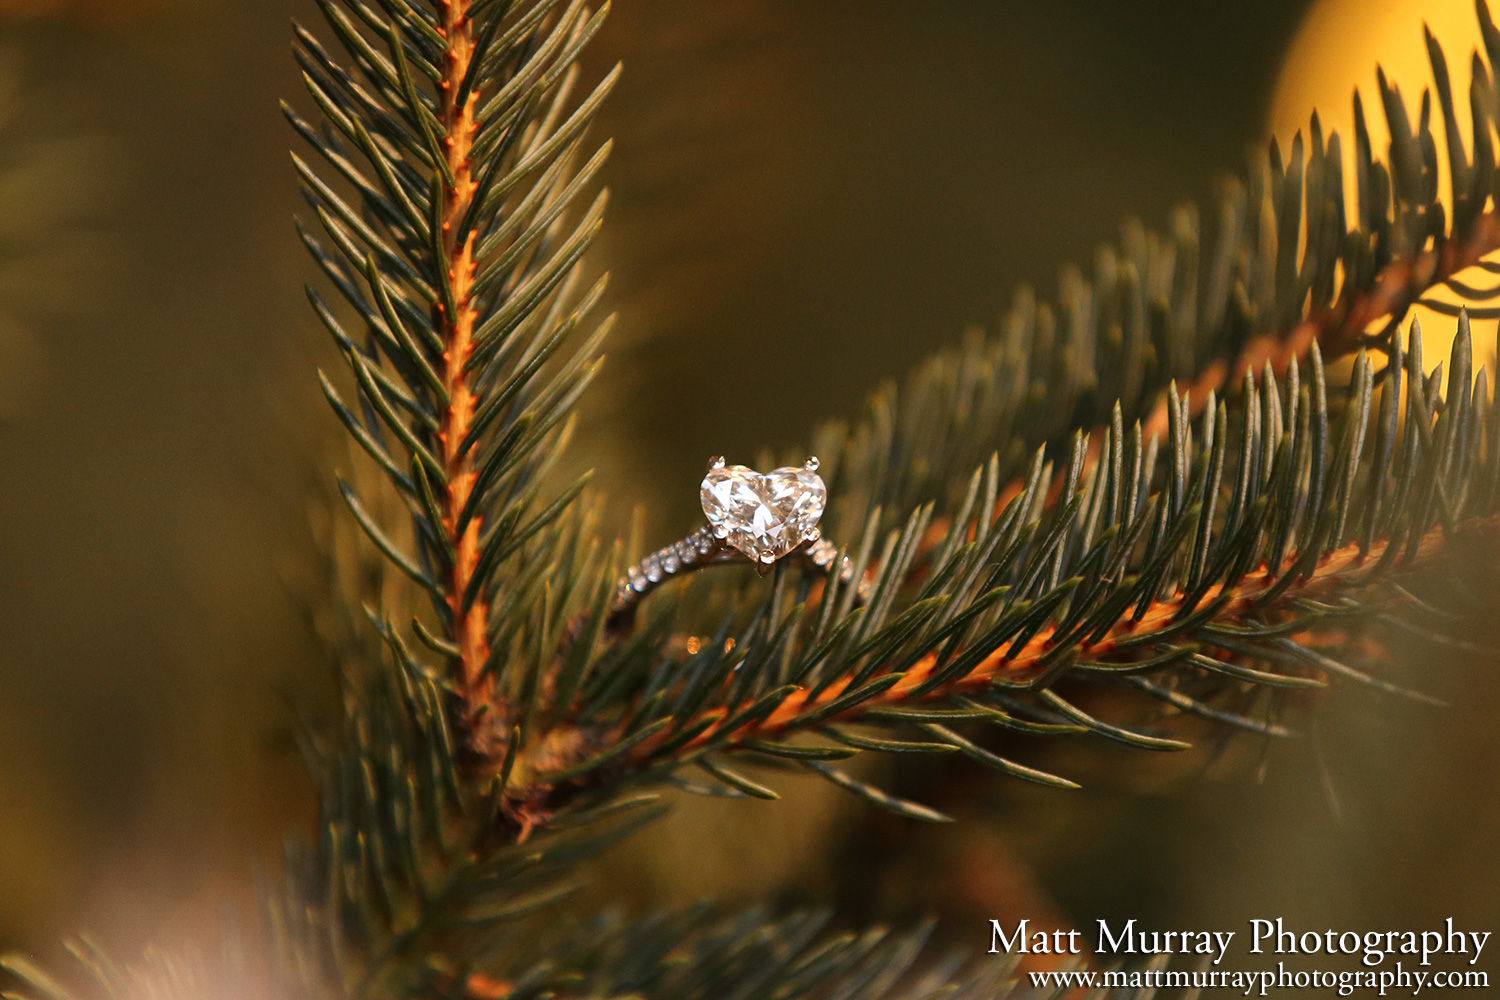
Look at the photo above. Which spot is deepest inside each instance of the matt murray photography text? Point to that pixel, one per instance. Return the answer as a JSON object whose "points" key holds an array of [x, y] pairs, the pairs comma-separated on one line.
{"points": [[1264, 937]]}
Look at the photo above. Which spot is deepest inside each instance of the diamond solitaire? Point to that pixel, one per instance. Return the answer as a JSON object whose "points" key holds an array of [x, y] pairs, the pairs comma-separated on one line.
{"points": [[764, 516], [752, 518]]}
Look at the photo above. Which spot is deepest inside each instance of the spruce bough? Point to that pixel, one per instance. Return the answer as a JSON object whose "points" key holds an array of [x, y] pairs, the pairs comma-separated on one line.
{"points": [[1154, 484]]}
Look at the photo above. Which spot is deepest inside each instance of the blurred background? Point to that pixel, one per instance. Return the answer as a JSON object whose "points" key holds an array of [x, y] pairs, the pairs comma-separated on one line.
{"points": [[825, 191]]}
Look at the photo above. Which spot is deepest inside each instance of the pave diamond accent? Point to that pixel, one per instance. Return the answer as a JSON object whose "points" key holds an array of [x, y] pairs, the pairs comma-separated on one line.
{"points": [[764, 516]]}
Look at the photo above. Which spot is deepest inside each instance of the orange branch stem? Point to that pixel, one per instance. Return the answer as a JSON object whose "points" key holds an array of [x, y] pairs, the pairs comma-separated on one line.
{"points": [[1337, 329], [457, 331], [1334, 570]]}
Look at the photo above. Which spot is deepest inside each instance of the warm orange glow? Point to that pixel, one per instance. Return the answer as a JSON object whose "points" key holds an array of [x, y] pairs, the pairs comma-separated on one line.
{"points": [[1335, 52]]}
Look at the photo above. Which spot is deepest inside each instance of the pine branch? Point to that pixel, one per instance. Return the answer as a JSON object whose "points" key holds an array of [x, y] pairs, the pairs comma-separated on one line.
{"points": [[457, 137], [526, 647], [699, 954], [1249, 539], [974, 585], [454, 160], [1282, 261], [1195, 572], [408, 872], [1203, 556]]}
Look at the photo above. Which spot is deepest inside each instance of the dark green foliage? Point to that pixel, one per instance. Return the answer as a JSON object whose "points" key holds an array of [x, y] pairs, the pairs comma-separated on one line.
{"points": [[1231, 498], [455, 251], [962, 564], [750, 956], [1161, 486], [1194, 572]]}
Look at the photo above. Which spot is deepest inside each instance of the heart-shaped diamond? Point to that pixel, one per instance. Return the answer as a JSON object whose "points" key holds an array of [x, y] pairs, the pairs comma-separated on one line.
{"points": [[764, 516]]}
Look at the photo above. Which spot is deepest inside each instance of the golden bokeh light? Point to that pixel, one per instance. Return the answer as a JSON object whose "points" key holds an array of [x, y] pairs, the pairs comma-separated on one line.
{"points": [[1336, 51]]}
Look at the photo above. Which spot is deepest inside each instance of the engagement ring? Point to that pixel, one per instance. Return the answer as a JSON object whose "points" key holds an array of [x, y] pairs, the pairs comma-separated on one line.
{"points": [[752, 518]]}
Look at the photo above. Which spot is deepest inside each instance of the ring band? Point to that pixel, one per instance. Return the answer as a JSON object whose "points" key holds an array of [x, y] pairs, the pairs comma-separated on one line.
{"points": [[753, 518]]}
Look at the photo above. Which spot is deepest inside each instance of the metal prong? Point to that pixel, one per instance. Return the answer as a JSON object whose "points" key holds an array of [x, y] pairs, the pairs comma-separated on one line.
{"points": [[811, 465], [721, 532], [812, 537], [717, 462]]}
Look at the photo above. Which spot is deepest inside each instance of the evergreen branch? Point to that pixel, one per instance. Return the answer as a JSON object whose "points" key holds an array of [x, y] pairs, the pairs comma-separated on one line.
{"points": [[1248, 538], [1195, 572], [694, 954], [1153, 562], [407, 865], [800, 710], [1206, 305], [455, 135]]}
